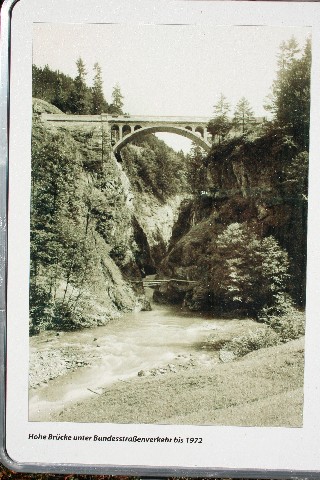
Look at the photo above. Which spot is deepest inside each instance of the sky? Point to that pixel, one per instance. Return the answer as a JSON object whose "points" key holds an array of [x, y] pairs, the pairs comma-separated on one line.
{"points": [[170, 69]]}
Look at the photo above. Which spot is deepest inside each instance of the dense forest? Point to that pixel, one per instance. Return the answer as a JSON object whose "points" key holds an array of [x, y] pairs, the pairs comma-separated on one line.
{"points": [[74, 95], [153, 167], [241, 230]]}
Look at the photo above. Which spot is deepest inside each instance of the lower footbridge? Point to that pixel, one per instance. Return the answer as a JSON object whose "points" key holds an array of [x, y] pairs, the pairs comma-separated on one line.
{"points": [[158, 282]]}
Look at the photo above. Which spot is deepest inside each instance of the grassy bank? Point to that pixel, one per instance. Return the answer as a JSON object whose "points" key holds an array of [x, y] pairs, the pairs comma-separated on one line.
{"points": [[264, 388]]}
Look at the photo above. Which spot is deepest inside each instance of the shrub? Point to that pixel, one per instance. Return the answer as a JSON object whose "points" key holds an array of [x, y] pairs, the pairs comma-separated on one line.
{"points": [[290, 326], [284, 319], [282, 305], [247, 272], [261, 338], [40, 309], [67, 317], [118, 253], [280, 328]]}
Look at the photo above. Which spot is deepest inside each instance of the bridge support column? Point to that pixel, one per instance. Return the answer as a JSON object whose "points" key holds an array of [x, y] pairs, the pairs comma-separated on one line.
{"points": [[120, 132], [205, 134]]}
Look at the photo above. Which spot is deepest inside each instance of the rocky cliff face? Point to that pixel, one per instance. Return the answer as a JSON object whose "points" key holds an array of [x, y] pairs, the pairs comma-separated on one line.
{"points": [[153, 224], [82, 234], [261, 183], [101, 232], [156, 198]]}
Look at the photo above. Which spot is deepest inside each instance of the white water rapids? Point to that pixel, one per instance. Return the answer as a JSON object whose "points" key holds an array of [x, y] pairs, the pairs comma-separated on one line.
{"points": [[119, 350]]}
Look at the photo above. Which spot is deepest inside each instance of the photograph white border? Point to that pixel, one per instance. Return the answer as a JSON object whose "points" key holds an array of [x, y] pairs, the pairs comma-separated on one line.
{"points": [[223, 448]]}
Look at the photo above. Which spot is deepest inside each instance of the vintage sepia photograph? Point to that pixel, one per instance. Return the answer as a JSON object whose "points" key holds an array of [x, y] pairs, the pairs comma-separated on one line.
{"points": [[168, 224]]}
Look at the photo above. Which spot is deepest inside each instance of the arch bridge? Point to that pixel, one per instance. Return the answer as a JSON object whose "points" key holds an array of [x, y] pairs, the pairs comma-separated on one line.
{"points": [[126, 128]]}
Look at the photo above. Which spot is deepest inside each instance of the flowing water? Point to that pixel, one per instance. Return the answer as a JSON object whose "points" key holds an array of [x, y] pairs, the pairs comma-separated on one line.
{"points": [[119, 350]]}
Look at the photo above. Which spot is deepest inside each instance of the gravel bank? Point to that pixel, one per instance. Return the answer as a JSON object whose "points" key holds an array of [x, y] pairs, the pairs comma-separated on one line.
{"points": [[51, 363]]}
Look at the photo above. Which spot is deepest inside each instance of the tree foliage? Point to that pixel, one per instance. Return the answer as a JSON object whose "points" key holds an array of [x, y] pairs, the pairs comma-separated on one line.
{"points": [[220, 125], [77, 216], [244, 271], [68, 94], [51, 86], [60, 252], [99, 104], [154, 167], [79, 99], [290, 95], [243, 117], [272, 175], [279, 155], [197, 170], [117, 101]]}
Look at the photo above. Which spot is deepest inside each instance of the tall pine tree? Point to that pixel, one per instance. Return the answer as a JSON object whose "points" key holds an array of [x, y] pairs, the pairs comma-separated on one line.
{"points": [[243, 118], [197, 171], [117, 101], [290, 96], [80, 98], [220, 124], [99, 104]]}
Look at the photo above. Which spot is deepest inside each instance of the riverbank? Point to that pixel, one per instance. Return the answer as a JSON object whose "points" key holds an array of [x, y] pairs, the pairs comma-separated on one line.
{"points": [[264, 388]]}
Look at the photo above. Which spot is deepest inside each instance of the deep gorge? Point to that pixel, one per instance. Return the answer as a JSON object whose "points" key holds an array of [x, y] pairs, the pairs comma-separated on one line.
{"points": [[99, 226]]}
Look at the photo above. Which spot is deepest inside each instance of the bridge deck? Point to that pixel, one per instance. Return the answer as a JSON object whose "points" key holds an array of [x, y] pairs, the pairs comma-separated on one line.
{"points": [[158, 119], [57, 117]]}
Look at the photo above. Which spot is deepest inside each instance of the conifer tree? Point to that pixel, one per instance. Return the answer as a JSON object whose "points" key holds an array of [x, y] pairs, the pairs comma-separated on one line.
{"points": [[117, 101], [52, 86], [79, 98], [220, 124], [197, 175], [288, 52], [58, 99], [247, 271], [243, 117], [290, 96], [99, 104]]}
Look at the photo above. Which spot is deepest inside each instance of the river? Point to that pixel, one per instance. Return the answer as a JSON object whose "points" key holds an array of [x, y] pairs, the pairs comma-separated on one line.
{"points": [[136, 342]]}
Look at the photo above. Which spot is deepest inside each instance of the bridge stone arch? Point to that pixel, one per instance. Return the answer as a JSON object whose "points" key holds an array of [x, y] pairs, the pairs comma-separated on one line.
{"points": [[183, 131]]}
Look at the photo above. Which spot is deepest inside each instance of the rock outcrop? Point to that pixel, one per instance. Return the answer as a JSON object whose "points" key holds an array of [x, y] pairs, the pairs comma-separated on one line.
{"points": [[261, 183]]}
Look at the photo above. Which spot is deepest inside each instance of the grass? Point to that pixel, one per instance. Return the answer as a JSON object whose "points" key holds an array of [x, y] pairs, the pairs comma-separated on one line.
{"points": [[228, 394], [273, 331]]}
